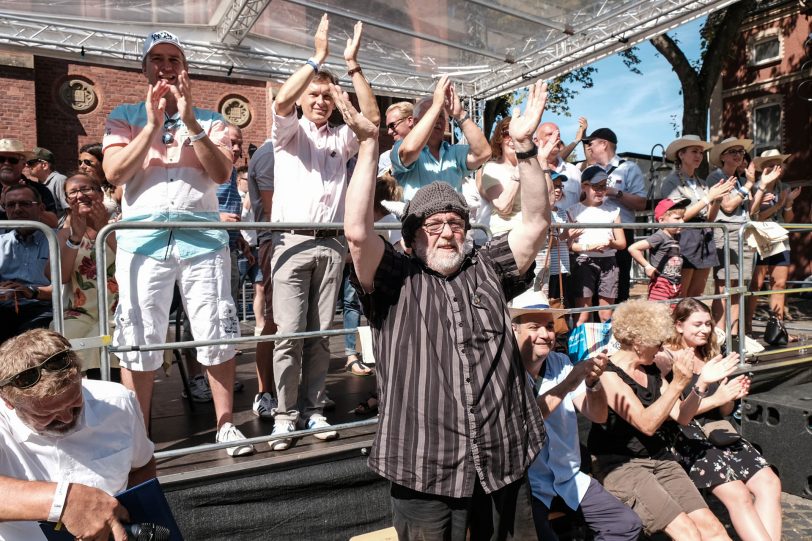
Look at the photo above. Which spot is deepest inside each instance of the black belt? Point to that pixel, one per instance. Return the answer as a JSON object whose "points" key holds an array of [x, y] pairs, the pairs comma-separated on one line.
{"points": [[315, 233]]}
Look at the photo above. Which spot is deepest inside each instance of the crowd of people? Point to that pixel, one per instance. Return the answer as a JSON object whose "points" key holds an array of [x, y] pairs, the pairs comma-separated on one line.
{"points": [[474, 395]]}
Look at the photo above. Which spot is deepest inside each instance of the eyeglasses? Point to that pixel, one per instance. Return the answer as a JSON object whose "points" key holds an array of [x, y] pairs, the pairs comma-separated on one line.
{"points": [[89, 163], [86, 190], [739, 151], [30, 163], [29, 377], [394, 124], [599, 187], [170, 125], [436, 228], [19, 204], [9, 159]]}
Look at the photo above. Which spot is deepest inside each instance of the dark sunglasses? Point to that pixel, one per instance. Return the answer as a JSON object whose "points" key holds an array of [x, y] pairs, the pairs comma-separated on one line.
{"points": [[9, 159], [30, 163], [89, 163], [394, 124], [170, 125], [29, 377]]}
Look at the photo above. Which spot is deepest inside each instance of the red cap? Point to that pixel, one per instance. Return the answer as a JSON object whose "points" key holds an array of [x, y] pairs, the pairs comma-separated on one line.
{"points": [[667, 204]]}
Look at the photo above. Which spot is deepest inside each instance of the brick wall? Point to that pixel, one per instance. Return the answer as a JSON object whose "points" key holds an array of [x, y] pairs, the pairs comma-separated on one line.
{"points": [[18, 116], [63, 130]]}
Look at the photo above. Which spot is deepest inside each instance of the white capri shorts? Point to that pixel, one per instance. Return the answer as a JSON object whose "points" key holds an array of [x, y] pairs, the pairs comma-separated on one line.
{"points": [[145, 293]]}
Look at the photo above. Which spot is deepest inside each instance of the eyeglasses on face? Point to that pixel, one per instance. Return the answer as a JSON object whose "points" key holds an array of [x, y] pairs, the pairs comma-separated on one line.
{"points": [[9, 159], [89, 163], [31, 163], [19, 204], [738, 151], [599, 187], [29, 377], [436, 227], [170, 125], [84, 190]]}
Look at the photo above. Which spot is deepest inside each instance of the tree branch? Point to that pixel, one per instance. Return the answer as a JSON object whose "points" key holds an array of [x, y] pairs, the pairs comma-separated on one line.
{"points": [[719, 45]]}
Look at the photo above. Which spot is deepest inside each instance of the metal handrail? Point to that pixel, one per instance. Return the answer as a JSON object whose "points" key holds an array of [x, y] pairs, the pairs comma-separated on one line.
{"points": [[54, 260]]}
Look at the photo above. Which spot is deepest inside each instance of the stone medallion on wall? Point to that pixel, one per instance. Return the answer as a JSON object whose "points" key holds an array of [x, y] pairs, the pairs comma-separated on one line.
{"points": [[78, 95], [236, 110]]}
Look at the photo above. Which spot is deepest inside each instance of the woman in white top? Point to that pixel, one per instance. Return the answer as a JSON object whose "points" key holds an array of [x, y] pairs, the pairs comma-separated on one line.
{"points": [[500, 181], [696, 245]]}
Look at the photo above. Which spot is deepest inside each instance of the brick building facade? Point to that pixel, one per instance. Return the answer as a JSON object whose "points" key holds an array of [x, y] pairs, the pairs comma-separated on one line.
{"points": [[765, 94]]}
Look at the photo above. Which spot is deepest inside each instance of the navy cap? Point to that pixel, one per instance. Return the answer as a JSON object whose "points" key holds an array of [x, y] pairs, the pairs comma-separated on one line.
{"points": [[602, 133]]}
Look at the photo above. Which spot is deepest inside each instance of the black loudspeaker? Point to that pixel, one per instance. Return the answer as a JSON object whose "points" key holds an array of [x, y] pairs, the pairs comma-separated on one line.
{"points": [[779, 424]]}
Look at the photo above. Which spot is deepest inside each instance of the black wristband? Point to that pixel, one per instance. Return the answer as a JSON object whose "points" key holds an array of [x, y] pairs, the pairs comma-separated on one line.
{"points": [[532, 153]]}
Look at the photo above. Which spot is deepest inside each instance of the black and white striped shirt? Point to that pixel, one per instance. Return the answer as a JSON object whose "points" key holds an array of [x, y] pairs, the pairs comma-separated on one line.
{"points": [[454, 400]]}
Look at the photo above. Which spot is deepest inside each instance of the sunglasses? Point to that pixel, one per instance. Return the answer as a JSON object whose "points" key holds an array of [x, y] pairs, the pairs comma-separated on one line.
{"points": [[89, 163], [739, 151], [170, 125], [394, 124], [31, 163], [21, 204], [29, 377], [9, 159]]}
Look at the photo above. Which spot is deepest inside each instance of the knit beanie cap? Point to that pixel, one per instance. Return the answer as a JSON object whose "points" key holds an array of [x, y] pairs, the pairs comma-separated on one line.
{"points": [[436, 197]]}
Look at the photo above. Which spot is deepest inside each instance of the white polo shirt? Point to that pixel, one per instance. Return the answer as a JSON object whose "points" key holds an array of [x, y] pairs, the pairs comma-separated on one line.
{"points": [[109, 441]]}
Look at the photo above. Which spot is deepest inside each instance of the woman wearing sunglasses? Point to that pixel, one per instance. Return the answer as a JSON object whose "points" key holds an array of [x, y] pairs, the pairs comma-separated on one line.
{"points": [[86, 215]]}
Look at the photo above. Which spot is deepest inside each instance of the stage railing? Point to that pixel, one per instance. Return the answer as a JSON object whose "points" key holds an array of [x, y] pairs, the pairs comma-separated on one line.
{"points": [[54, 261], [104, 322]]}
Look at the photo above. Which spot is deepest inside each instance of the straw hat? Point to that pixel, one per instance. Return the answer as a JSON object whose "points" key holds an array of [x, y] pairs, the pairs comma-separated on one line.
{"points": [[771, 155], [533, 302], [718, 149], [684, 142], [15, 146]]}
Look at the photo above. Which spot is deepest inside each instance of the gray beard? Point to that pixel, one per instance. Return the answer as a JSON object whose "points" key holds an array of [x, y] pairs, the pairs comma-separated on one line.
{"points": [[443, 263]]}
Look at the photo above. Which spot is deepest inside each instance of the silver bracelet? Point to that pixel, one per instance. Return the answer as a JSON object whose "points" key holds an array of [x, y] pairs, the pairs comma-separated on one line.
{"points": [[462, 119]]}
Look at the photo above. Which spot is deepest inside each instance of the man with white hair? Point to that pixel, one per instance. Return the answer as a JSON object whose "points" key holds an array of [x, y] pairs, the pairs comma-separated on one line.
{"points": [[423, 156], [458, 424]]}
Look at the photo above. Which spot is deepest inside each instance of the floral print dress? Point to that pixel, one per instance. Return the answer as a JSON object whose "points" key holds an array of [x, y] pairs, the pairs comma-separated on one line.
{"points": [[709, 466], [81, 307]]}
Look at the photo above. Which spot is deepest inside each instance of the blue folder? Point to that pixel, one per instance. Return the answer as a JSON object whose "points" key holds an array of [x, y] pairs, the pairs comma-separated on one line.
{"points": [[145, 503]]}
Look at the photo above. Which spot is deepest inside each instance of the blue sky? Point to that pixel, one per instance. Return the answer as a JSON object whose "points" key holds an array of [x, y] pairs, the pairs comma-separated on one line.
{"points": [[640, 109]]}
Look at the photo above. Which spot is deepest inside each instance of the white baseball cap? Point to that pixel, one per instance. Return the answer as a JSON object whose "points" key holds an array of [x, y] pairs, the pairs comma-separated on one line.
{"points": [[156, 38]]}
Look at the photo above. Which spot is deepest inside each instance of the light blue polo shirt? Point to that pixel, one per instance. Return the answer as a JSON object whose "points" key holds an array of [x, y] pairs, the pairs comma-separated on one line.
{"points": [[556, 469], [426, 169], [23, 260]]}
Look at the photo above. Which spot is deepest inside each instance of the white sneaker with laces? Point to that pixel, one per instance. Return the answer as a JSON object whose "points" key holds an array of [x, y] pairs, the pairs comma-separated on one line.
{"points": [[264, 404], [228, 433], [281, 428], [199, 388], [319, 421]]}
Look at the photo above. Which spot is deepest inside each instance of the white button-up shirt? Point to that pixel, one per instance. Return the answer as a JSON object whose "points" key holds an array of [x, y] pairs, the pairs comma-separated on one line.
{"points": [[310, 169], [109, 441]]}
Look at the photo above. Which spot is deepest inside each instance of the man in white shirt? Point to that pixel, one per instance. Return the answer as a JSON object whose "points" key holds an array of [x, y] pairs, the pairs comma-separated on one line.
{"points": [[572, 186], [626, 190], [67, 445], [310, 177]]}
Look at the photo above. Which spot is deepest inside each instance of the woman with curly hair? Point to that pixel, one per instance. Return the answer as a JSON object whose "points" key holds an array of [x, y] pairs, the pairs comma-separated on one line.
{"points": [[731, 468], [633, 447]]}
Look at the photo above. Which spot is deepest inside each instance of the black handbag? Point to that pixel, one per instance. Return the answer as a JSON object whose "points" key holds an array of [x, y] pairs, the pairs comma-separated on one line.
{"points": [[776, 334]]}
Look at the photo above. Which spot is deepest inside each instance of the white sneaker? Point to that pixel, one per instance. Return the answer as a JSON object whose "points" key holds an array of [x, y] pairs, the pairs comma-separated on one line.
{"points": [[227, 433], [280, 428], [199, 388], [319, 421], [264, 404]]}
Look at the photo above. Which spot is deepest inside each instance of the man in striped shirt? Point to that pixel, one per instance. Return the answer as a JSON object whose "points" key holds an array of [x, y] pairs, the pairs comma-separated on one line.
{"points": [[458, 422]]}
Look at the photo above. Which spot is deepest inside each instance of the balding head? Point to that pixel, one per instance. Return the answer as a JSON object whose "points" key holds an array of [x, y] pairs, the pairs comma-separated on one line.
{"points": [[543, 134]]}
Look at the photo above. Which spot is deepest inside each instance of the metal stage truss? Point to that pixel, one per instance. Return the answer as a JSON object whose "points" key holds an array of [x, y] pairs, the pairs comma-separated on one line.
{"points": [[489, 48]]}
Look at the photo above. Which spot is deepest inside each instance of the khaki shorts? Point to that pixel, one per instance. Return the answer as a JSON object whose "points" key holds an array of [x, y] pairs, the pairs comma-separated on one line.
{"points": [[657, 490]]}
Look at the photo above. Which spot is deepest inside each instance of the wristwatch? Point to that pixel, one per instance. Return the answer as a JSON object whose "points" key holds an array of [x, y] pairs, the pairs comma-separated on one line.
{"points": [[34, 290], [619, 194], [526, 155], [463, 118], [700, 394]]}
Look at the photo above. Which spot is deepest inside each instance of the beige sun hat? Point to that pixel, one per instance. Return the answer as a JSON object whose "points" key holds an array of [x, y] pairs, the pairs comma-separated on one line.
{"points": [[719, 148], [15, 146], [684, 142], [533, 302], [772, 155]]}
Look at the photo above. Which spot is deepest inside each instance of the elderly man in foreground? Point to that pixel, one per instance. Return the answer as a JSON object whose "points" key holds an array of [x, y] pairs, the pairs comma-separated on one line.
{"points": [[66, 443], [458, 423]]}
